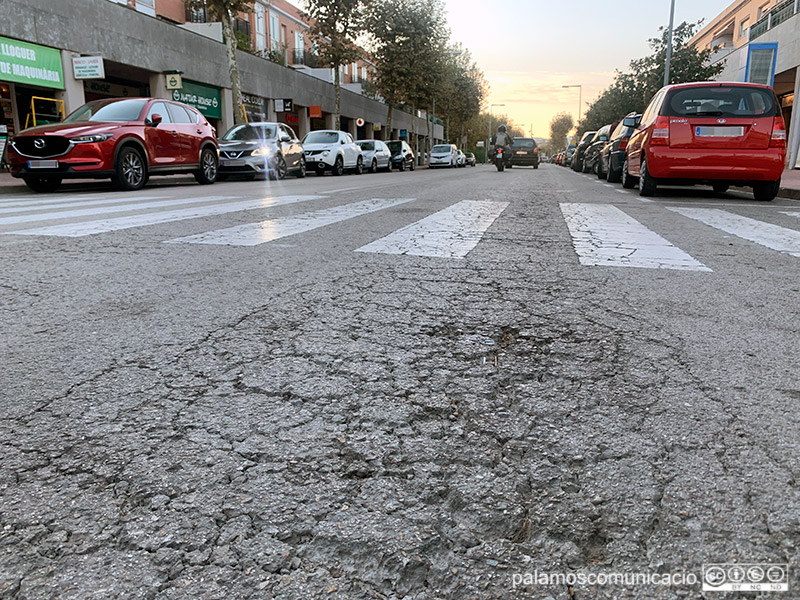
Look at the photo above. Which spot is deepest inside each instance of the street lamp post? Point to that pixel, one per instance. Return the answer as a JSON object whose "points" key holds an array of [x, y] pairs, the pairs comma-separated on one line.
{"points": [[580, 98], [669, 43], [489, 139]]}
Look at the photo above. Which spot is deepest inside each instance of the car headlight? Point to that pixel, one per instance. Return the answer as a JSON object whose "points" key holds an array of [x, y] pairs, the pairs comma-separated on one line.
{"points": [[94, 138], [326, 152], [263, 151]]}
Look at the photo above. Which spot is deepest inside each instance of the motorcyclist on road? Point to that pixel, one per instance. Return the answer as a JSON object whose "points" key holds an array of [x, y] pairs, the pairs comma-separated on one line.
{"points": [[502, 139]]}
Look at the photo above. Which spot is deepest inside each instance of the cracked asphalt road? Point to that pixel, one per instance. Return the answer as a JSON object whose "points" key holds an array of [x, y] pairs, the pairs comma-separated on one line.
{"points": [[297, 420]]}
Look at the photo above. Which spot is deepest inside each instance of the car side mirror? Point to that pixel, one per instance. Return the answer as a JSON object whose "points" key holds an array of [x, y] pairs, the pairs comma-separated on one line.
{"points": [[286, 138], [156, 119], [631, 121]]}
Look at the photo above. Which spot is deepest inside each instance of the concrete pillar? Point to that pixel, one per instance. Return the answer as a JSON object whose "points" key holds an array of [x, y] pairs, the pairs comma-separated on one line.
{"points": [[227, 111], [72, 94], [330, 122], [304, 126], [158, 86], [272, 116], [793, 142], [352, 129], [369, 131]]}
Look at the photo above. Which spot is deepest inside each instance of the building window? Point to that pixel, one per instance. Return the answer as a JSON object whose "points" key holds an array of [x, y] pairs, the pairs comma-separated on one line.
{"points": [[744, 26], [761, 63], [261, 28], [762, 10]]}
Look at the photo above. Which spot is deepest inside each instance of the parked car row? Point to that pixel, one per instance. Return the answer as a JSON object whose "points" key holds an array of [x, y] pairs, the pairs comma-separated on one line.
{"points": [[450, 156], [130, 139], [713, 133]]}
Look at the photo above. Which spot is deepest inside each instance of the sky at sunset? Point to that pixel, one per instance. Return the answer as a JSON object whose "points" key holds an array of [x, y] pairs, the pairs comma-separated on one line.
{"points": [[528, 49]]}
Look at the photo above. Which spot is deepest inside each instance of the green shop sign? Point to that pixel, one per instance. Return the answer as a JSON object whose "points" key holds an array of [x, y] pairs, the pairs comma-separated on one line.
{"points": [[205, 98], [30, 64]]}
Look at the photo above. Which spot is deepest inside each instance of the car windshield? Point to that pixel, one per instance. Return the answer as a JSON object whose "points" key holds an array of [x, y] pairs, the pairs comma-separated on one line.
{"points": [[712, 101], [441, 148], [523, 144], [321, 137], [395, 146], [108, 111], [251, 133], [367, 145]]}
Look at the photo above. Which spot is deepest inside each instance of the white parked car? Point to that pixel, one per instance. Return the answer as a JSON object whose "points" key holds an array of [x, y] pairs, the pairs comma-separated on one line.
{"points": [[444, 155], [376, 155], [461, 159], [334, 151]]}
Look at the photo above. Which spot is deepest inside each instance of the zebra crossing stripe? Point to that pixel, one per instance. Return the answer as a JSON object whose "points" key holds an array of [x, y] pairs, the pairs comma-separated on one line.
{"points": [[603, 235], [195, 212], [449, 233], [62, 199], [104, 210], [253, 234], [65, 204], [772, 236]]}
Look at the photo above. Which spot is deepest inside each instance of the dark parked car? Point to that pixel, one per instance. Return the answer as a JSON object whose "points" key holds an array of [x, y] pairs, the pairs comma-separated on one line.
{"points": [[524, 152], [470, 159], [261, 149], [568, 155], [577, 156], [592, 155], [402, 155], [613, 155], [125, 139], [716, 133]]}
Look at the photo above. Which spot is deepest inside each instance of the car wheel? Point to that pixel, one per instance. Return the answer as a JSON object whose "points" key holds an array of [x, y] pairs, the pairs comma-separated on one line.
{"points": [[575, 166], [301, 169], [209, 164], [389, 167], [402, 165], [278, 171], [413, 165], [130, 170], [338, 166], [601, 174], [613, 176], [536, 166], [373, 168], [647, 185], [43, 185], [628, 182], [359, 169], [585, 167], [764, 191], [720, 187]]}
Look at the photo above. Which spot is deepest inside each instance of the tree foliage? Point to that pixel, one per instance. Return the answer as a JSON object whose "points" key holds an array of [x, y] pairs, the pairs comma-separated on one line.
{"points": [[632, 90], [560, 126], [334, 27], [225, 12]]}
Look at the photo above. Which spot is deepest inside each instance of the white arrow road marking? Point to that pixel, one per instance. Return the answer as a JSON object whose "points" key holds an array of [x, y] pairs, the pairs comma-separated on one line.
{"points": [[104, 210], [603, 235], [253, 234], [766, 234], [105, 225], [449, 233]]}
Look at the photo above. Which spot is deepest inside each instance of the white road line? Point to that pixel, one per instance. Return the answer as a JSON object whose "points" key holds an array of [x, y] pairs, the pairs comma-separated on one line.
{"points": [[42, 198], [645, 200], [603, 235], [104, 210], [772, 236], [18, 208], [791, 213], [105, 225], [449, 233], [253, 234], [622, 191]]}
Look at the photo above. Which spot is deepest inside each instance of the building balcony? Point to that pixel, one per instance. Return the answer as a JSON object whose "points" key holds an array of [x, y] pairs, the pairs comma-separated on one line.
{"points": [[776, 16]]}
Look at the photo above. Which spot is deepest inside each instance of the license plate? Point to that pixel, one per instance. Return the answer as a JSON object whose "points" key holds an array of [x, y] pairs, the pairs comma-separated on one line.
{"points": [[522, 152], [42, 164], [234, 162], [719, 131]]}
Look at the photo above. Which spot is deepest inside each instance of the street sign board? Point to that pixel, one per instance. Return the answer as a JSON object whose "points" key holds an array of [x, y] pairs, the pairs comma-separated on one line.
{"points": [[88, 67]]}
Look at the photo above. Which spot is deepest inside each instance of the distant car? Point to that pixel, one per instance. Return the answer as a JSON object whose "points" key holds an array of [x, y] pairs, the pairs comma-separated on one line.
{"points": [[461, 159], [334, 151], [568, 153], [444, 155], [402, 155], [592, 154], [470, 157], [716, 133], [524, 152], [613, 155], [125, 139], [261, 149], [376, 155], [577, 155]]}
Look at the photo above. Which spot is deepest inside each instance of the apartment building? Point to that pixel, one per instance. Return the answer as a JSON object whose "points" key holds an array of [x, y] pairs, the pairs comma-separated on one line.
{"points": [[143, 47], [759, 41]]}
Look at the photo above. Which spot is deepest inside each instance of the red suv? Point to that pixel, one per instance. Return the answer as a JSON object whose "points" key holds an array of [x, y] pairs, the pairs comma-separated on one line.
{"points": [[720, 134], [126, 139]]}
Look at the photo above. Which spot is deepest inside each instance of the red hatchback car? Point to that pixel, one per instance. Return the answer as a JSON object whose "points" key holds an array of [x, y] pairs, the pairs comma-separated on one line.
{"points": [[126, 139], [720, 134]]}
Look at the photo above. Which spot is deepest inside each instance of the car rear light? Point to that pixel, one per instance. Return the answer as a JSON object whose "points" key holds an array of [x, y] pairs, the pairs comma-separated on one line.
{"points": [[623, 143], [778, 139], [660, 132]]}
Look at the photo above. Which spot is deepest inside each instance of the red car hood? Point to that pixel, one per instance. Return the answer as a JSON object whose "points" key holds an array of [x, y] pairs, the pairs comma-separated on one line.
{"points": [[72, 129]]}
